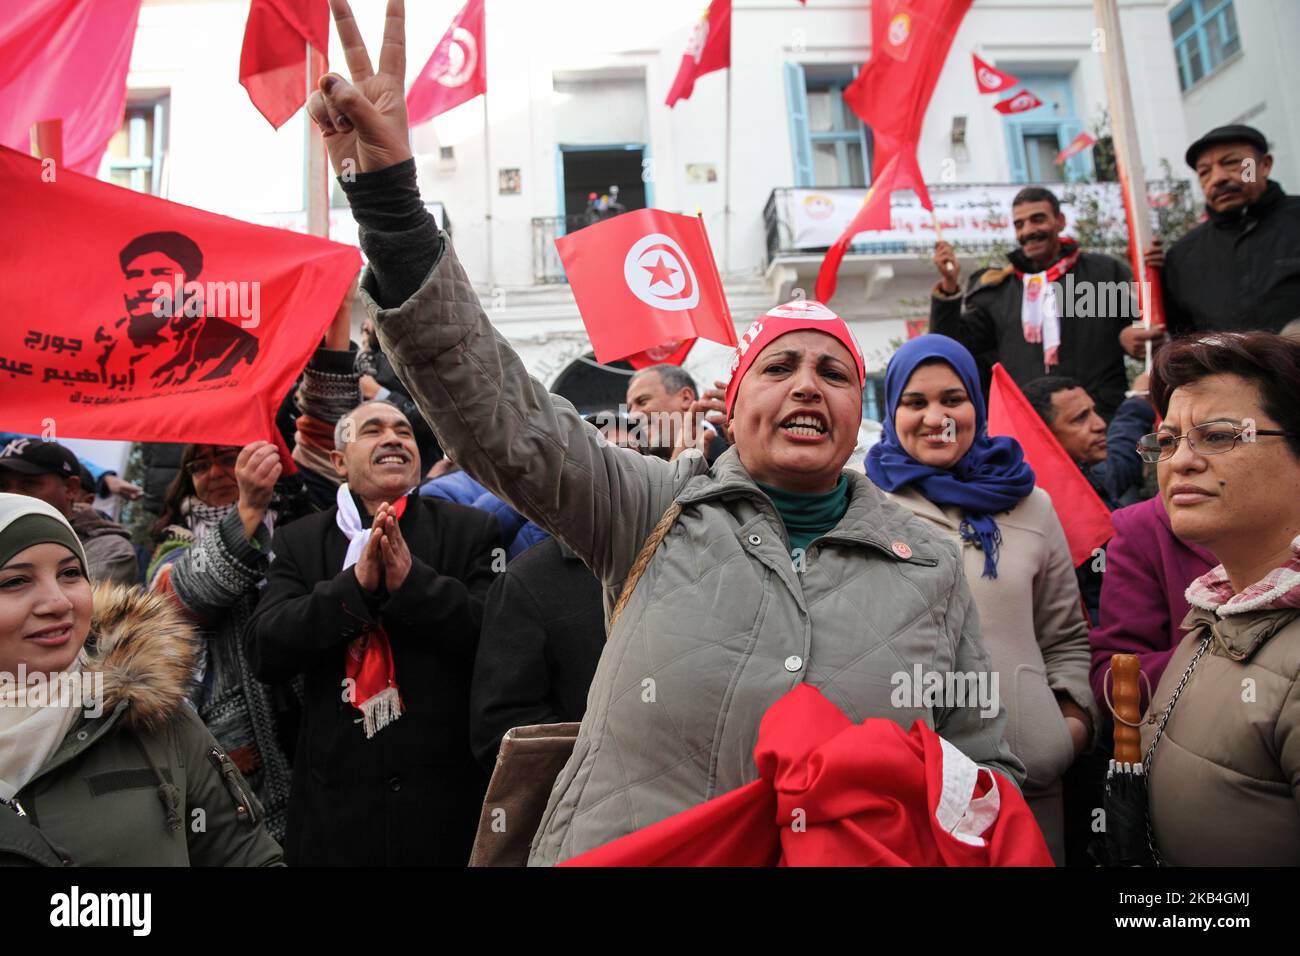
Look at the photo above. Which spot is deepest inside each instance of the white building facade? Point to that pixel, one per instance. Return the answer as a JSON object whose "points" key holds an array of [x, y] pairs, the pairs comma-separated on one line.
{"points": [[575, 106]]}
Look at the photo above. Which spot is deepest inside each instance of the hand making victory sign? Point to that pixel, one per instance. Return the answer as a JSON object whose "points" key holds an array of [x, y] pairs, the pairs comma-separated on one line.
{"points": [[365, 120]]}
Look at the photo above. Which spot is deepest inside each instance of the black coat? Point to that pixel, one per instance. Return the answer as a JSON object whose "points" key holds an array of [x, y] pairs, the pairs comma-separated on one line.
{"points": [[543, 631], [989, 325], [1237, 271], [412, 794]]}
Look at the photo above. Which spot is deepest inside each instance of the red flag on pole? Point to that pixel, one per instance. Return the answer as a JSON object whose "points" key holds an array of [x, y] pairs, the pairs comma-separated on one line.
{"points": [[172, 324], [645, 279], [457, 70], [273, 61], [1022, 102], [1075, 146], [66, 60], [910, 40], [1083, 514], [708, 50], [990, 79]]}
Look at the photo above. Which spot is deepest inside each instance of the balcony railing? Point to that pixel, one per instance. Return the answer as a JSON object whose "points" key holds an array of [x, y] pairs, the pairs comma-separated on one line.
{"points": [[806, 221], [546, 260]]}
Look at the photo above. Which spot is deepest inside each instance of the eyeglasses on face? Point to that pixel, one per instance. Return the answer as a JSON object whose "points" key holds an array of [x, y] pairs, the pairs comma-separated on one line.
{"points": [[1211, 438], [203, 465]]}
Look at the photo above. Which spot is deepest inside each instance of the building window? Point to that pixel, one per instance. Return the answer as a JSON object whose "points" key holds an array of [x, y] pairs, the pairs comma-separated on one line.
{"points": [[137, 150], [829, 142], [1205, 37], [1036, 137]]}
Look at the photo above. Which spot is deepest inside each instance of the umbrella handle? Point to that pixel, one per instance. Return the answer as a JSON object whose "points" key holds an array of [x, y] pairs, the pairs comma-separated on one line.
{"points": [[1126, 674]]}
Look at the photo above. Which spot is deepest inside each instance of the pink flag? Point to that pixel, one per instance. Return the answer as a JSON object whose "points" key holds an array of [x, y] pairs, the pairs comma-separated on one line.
{"points": [[1077, 145], [66, 60], [457, 71]]}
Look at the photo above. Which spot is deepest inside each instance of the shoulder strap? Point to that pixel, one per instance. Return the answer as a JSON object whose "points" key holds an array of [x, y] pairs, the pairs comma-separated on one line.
{"points": [[643, 557]]}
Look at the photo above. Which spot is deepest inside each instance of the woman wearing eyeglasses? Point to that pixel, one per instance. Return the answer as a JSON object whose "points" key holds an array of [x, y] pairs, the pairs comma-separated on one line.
{"points": [[1222, 738], [213, 541]]}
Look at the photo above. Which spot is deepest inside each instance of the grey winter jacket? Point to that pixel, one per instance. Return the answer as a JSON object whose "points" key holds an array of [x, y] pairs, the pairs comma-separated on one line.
{"points": [[721, 624]]}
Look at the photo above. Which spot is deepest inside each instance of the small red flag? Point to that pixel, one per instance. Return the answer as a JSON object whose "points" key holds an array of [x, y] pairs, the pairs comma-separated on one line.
{"points": [[644, 279], [457, 70], [273, 62], [709, 50], [1022, 102], [1083, 514], [173, 324], [990, 79], [66, 60], [1077, 145]]}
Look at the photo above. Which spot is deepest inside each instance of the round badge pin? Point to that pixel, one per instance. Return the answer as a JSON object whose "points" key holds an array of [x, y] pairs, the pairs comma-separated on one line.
{"points": [[901, 549]]}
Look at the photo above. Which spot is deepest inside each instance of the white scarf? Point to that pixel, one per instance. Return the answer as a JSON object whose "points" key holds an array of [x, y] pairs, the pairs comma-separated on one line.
{"points": [[1040, 317], [30, 734]]}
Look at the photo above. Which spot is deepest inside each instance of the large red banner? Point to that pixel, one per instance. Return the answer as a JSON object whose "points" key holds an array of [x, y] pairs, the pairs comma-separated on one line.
{"points": [[134, 318]]}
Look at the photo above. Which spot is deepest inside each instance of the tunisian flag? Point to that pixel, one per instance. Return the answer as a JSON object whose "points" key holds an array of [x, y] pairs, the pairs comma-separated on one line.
{"points": [[457, 70], [990, 79], [910, 40], [273, 62], [646, 280], [708, 50], [1022, 102], [134, 318], [1084, 516], [834, 793], [66, 60]]}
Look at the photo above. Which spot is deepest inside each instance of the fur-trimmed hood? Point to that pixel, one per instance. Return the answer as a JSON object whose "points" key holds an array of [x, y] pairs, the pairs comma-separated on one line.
{"points": [[146, 651]]}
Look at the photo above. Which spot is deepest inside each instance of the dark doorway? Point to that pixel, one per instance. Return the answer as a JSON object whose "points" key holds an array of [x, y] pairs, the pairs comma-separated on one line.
{"points": [[591, 387], [588, 171]]}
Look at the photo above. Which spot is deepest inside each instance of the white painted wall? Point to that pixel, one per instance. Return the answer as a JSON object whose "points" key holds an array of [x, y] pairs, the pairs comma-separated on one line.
{"points": [[1259, 87]]}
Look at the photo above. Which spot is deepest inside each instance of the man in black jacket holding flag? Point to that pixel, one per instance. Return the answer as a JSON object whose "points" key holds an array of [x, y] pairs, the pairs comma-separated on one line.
{"points": [[1054, 309]]}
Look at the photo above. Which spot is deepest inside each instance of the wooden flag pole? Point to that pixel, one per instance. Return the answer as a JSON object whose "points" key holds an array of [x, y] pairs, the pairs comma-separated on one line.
{"points": [[317, 172], [726, 198], [1128, 158], [487, 190]]}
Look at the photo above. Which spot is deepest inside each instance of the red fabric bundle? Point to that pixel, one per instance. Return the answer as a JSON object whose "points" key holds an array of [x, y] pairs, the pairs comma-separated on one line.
{"points": [[835, 793]]}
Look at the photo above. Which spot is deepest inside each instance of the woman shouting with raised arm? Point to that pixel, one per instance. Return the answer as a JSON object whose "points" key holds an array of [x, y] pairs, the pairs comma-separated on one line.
{"points": [[772, 568]]}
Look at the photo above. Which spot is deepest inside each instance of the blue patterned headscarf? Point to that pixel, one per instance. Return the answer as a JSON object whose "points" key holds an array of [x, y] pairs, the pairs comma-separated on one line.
{"points": [[992, 476]]}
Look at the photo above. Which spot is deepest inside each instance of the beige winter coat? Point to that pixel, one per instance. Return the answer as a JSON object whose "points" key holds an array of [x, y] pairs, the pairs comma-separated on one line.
{"points": [[1036, 634], [721, 624], [1225, 778]]}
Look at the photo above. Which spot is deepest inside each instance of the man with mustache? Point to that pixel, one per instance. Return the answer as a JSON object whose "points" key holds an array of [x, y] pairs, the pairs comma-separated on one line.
{"points": [[377, 603], [1239, 270], [1011, 314]]}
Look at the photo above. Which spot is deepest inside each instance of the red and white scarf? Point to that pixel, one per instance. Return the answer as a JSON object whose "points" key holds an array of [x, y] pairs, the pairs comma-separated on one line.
{"points": [[1280, 588], [1040, 315], [369, 664]]}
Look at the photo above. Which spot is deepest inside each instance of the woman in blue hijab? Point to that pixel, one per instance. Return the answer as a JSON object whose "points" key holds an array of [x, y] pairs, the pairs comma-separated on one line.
{"points": [[938, 461]]}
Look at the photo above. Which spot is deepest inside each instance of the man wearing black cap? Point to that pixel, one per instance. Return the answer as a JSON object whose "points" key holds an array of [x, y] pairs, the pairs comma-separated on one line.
{"points": [[1240, 269], [48, 471]]}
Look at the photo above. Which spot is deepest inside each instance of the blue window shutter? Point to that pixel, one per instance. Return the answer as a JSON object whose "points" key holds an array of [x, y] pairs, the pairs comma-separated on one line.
{"points": [[1016, 154], [796, 98]]}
